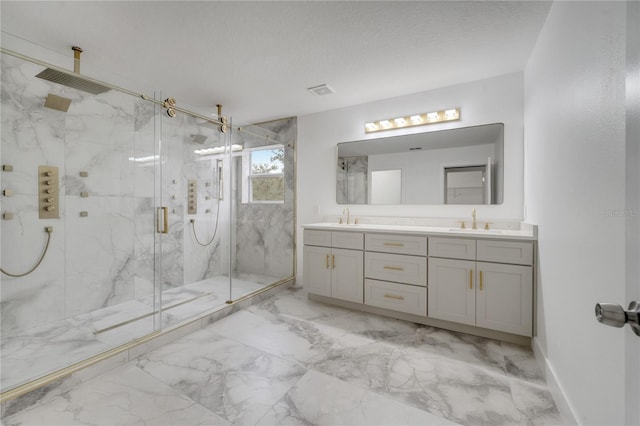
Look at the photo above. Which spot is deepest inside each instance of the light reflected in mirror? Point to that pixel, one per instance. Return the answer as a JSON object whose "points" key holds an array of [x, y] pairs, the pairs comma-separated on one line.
{"points": [[454, 166]]}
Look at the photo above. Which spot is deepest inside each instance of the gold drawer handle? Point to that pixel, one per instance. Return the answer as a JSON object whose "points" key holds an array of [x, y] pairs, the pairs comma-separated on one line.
{"points": [[480, 280], [333, 260], [394, 244], [393, 296], [470, 279], [394, 268], [327, 262]]}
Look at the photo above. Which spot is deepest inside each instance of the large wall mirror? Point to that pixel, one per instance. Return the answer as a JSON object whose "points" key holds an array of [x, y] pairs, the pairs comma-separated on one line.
{"points": [[455, 166]]}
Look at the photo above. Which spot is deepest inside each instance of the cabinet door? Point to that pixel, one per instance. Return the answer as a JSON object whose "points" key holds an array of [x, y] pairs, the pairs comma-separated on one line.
{"points": [[505, 298], [347, 277], [451, 290], [317, 270]]}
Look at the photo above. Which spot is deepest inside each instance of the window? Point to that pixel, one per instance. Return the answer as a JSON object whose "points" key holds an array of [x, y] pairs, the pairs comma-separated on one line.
{"points": [[266, 175]]}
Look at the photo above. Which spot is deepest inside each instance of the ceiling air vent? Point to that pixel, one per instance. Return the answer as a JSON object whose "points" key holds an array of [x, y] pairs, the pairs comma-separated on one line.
{"points": [[321, 90]]}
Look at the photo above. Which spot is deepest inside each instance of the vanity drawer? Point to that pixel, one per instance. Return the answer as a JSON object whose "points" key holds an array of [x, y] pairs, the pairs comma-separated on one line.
{"points": [[399, 244], [454, 248], [396, 267], [398, 297], [317, 238], [347, 240], [519, 253]]}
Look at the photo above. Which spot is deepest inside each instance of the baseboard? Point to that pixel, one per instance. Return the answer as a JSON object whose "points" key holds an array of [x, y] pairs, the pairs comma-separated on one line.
{"points": [[559, 395]]}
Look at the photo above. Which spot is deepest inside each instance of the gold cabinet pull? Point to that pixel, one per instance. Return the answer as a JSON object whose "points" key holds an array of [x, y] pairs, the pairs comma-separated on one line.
{"points": [[393, 296], [470, 279], [333, 261], [393, 268], [393, 244], [327, 261], [480, 280]]}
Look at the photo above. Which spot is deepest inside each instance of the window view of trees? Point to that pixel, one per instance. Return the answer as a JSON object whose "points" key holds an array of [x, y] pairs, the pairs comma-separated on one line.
{"points": [[267, 175]]}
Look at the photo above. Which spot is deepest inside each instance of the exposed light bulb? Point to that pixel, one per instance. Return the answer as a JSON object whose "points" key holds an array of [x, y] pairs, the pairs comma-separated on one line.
{"points": [[450, 113], [416, 119], [432, 116], [385, 123], [370, 126], [400, 121]]}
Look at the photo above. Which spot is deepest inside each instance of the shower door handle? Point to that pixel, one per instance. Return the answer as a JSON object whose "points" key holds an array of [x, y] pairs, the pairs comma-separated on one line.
{"points": [[162, 222]]}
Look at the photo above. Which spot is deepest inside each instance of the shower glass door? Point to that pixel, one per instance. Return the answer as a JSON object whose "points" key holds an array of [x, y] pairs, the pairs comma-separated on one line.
{"points": [[194, 200]]}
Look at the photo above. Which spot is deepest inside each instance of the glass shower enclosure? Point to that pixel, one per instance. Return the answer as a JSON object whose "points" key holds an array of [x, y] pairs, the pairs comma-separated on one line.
{"points": [[123, 216]]}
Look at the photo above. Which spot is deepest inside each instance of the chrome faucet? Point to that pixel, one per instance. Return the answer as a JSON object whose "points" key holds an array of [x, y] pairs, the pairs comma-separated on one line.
{"points": [[473, 217], [346, 209]]}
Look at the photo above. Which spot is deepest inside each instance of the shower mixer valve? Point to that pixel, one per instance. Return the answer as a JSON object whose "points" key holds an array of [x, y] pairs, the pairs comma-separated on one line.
{"points": [[48, 192], [192, 197]]}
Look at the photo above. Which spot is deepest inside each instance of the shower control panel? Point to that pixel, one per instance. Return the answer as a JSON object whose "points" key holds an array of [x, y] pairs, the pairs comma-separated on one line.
{"points": [[192, 197], [48, 192]]}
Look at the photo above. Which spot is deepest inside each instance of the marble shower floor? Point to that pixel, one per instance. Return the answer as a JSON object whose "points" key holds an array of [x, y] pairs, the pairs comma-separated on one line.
{"points": [[290, 361], [41, 350]]}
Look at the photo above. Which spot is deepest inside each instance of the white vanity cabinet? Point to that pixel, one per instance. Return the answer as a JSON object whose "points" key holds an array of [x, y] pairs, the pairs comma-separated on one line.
{"points": [[333, 264], [484, 283], [471, 281]]}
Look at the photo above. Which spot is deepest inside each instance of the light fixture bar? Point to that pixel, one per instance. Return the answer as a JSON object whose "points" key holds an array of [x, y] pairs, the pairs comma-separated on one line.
{"points": [[442, 116]]}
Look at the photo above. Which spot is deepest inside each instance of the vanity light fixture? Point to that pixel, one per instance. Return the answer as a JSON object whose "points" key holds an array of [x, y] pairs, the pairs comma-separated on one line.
{"points": [[452, 114]]}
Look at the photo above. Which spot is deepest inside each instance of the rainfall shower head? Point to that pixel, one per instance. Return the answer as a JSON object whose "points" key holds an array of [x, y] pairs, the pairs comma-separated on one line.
{"points": [[198, 139], [57, 102], [74, 81]]}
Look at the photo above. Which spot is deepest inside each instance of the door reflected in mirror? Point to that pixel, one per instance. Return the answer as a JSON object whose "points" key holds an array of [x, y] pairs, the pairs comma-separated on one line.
{"points": [[386, 187], [454, 166]]}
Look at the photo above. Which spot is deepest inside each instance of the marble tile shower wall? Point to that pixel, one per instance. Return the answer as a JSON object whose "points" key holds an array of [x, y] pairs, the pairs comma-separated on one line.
{"points": [[264, 238]]}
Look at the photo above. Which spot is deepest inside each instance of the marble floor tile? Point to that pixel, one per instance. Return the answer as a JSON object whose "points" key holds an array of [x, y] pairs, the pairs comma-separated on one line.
{"points": [[287, 360], [453, 345], [291, 303], [535, 403], [295, 340], [451, 389], [235, 381], [521, 363], [318, 399], [455, 390], [124, 396]]}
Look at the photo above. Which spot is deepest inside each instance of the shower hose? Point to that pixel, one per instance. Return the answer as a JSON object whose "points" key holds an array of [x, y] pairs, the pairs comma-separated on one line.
{"points": [[215, 229], [48, 230]]}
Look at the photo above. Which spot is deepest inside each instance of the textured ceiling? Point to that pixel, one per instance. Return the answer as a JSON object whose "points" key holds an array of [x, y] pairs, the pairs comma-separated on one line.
{"points": [[258, 58]]}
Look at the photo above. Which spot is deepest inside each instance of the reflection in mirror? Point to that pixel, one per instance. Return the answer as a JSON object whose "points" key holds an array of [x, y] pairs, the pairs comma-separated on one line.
{"points": [[386, 186], [455, 166]]}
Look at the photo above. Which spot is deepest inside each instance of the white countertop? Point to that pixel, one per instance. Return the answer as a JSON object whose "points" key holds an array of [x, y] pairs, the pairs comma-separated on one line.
{"points": [[527, 233]]}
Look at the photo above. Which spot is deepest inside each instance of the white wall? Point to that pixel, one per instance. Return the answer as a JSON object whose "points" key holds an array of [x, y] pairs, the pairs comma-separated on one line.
{"points": [[574, 182], [494, 100]]}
